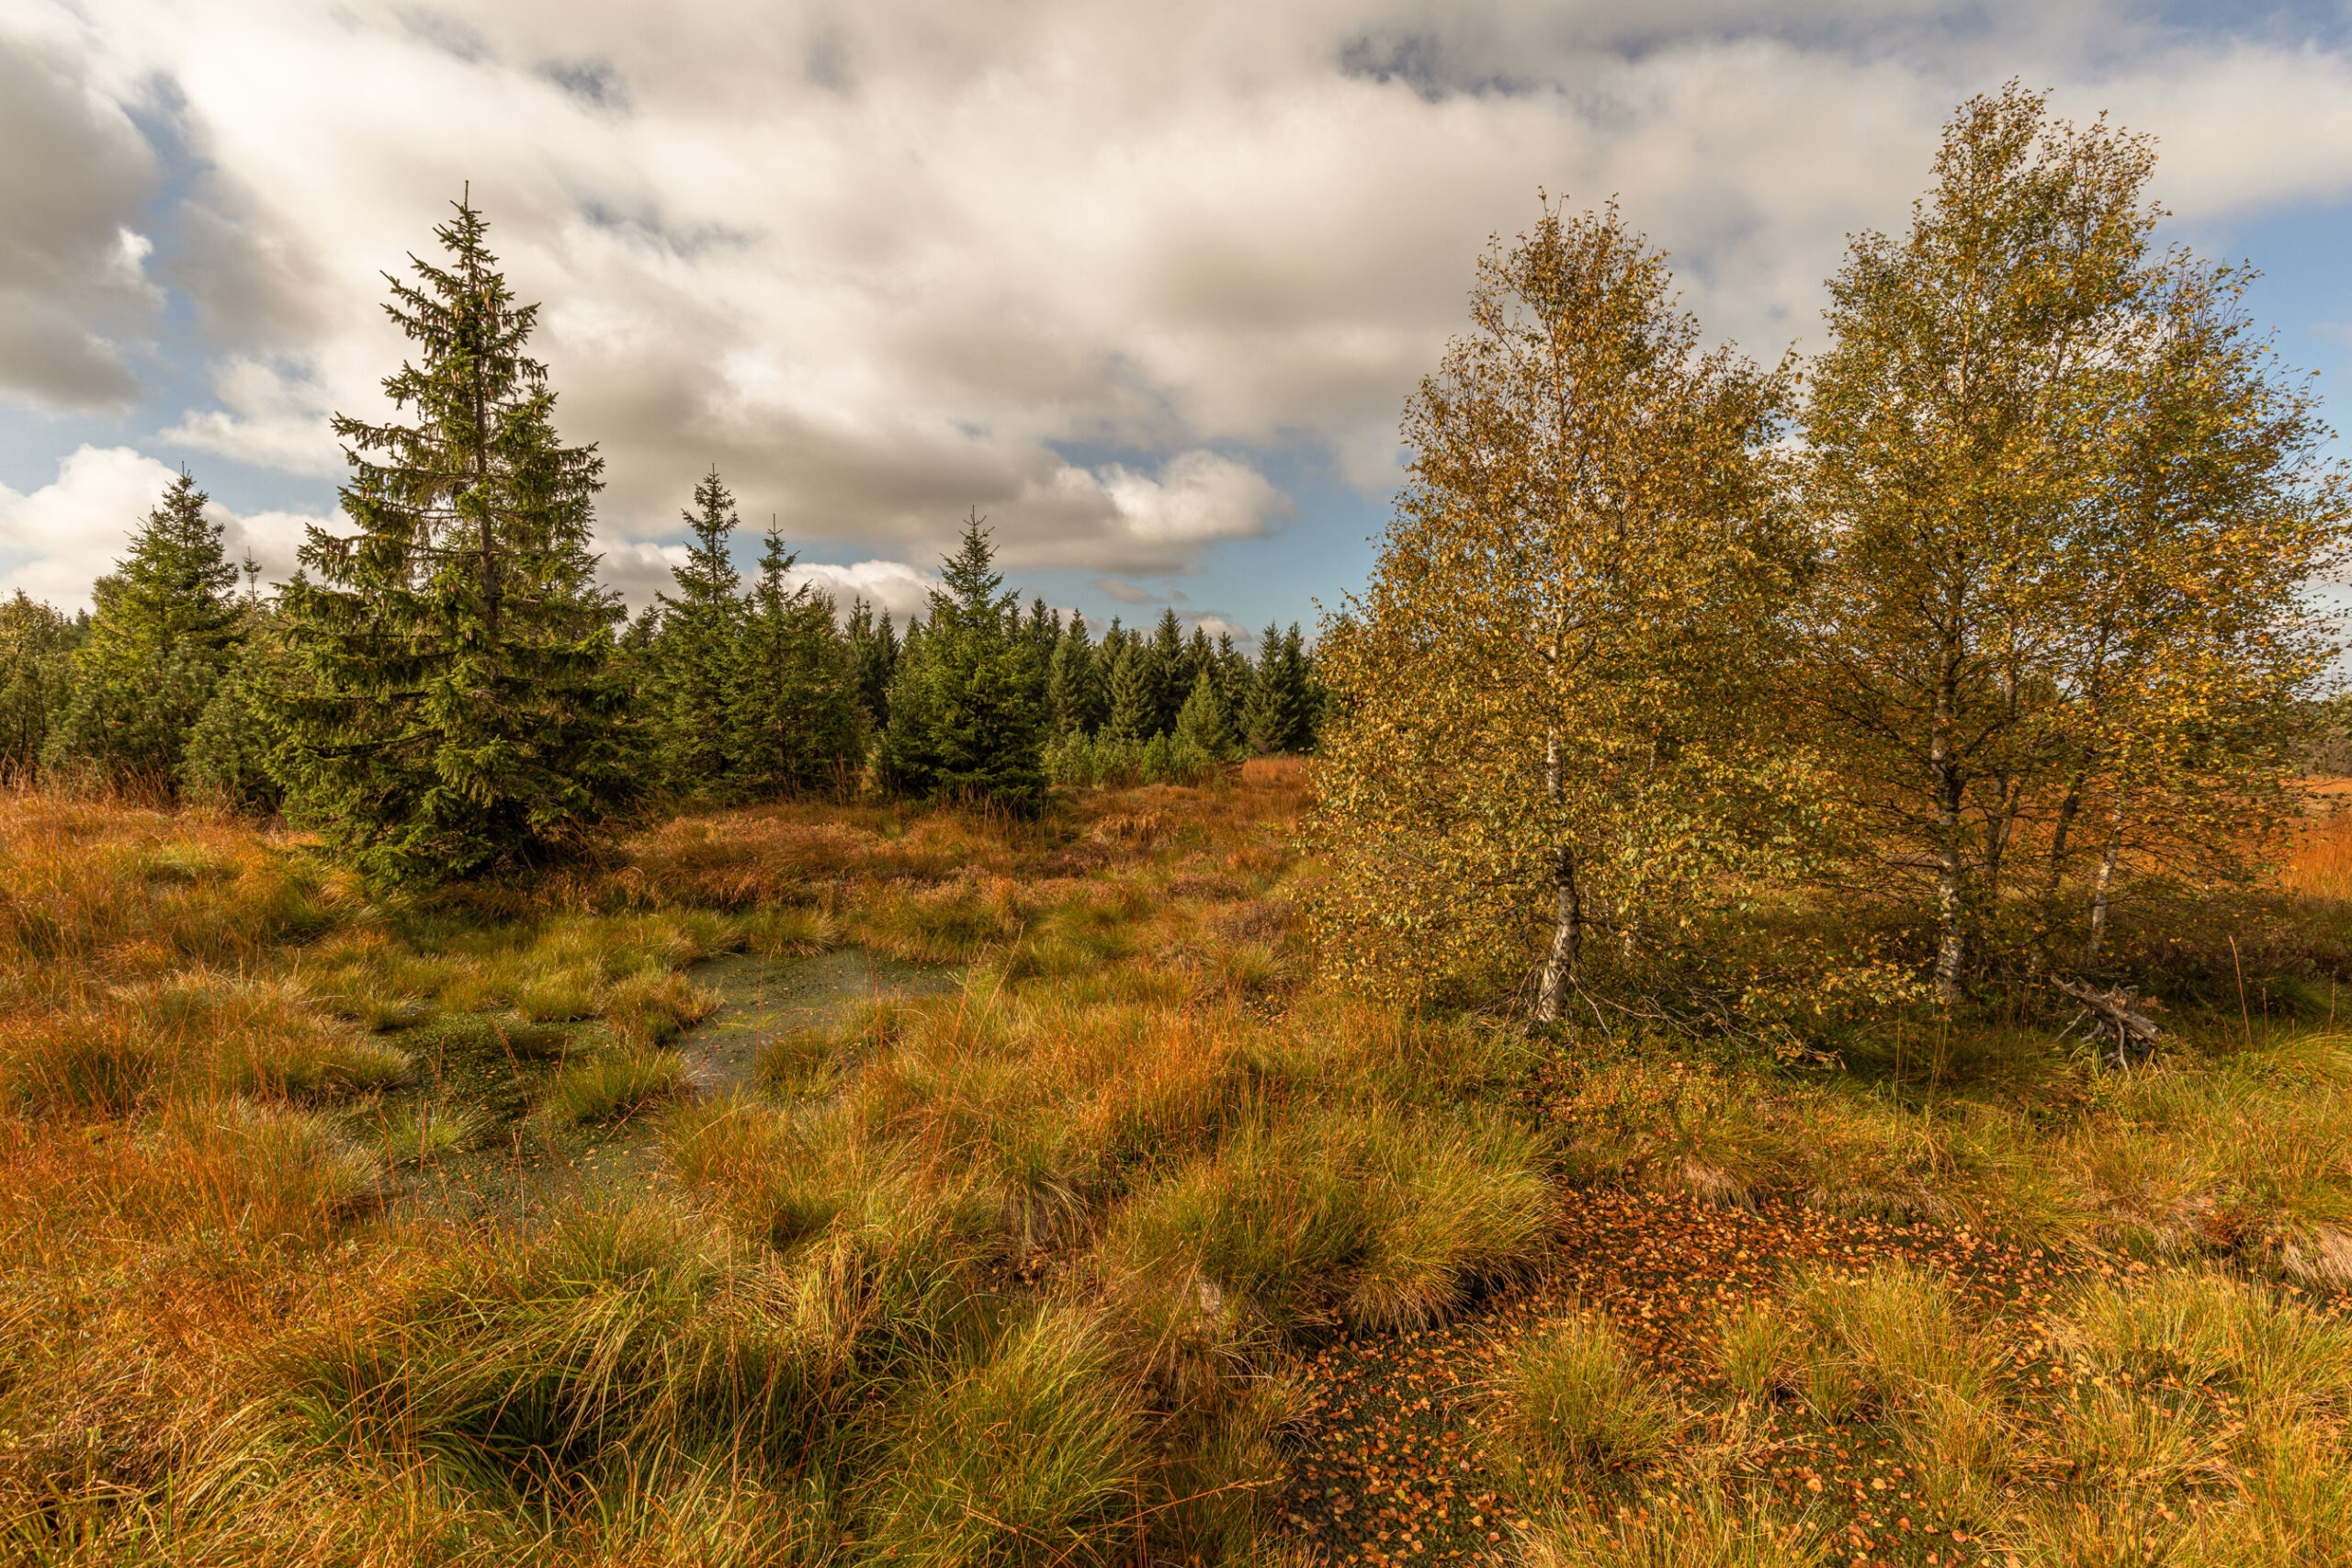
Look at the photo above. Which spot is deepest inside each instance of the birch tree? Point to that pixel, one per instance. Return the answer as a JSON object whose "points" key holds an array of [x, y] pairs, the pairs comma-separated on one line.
{"points": [[1544, 750], [2064, 517]]}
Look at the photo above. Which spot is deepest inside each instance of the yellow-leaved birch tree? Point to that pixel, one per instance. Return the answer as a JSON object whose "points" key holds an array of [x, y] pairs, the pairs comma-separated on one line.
{"points": [[1543, 754], [2064, 517]]}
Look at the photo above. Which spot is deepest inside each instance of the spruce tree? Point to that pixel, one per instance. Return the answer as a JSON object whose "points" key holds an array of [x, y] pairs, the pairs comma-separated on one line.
{"points": [[167, 618], [230, 756], [695, 674], [1235, 678], [1133, 693], [967, 710], [1281, 715], [1173, 669], [801, 717], [1075, 688], [874, 658], [454, 708], [1205, 722], [1044, 630], [1199, 659]]}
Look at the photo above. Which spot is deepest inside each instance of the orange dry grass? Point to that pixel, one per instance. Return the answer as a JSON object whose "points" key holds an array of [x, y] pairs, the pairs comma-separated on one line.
{"points": [[91, 890], [2321, 864]]}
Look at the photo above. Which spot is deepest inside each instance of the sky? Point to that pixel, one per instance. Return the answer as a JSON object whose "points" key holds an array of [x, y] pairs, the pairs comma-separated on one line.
{"points": [[1145, 284]]}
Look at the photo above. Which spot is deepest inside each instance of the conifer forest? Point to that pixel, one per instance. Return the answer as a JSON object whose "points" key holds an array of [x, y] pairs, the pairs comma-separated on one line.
{"points": [[1763, 994]]}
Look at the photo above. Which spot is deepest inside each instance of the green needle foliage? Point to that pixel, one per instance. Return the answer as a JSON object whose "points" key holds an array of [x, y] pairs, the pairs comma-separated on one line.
{"points": [[801, 719], [36, 676], [1205, 722], [166, 621], [874, 658], [1281, 715], [696, 672], [452, 709], [1134, 697], [967, 708], [1076, 690]]}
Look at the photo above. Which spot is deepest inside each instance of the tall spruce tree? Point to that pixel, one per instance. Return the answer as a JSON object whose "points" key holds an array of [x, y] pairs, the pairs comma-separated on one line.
{"points": [[1132, 697], [801, 718], [167, 619], [1234, 678], [454, 709], [1279, 718], [1205, 722], [1075, 688], [968, 709], [1044, 630], [874, 658], [1173, 667], [695, 674]]}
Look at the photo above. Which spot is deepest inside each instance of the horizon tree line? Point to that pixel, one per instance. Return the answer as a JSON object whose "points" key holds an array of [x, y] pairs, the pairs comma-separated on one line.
{"points": [[448, 692]]}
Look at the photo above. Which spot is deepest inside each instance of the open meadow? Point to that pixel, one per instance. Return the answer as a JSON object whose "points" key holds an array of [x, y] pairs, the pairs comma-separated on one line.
{"points": [[849, 1184]]}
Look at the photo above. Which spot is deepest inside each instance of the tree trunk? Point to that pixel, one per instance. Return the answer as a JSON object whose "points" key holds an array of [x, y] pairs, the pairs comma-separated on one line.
{"points": [[2067, 810], [1951, 902], [1567, 940], [2106, 864], [1567, 904]]}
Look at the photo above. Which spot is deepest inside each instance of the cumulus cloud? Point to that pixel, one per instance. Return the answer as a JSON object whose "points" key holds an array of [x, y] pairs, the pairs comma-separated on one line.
{"points": [[272, 415], [640, 570], [1095, 271], [75, 178], [66, 534]]}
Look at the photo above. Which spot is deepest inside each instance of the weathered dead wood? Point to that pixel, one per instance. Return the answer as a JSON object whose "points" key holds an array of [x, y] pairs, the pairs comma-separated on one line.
{"points": [[2115, 1014]]}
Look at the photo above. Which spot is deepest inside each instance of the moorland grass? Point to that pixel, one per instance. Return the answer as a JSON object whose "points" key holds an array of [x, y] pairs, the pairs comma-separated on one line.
{"points": [[1570, 1401], [1015, 1274]]}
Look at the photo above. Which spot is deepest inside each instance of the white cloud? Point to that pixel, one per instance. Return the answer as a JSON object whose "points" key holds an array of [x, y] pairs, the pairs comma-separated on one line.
{"points": [[77, 528], [889, 585], [272, 415], [884, 263]]}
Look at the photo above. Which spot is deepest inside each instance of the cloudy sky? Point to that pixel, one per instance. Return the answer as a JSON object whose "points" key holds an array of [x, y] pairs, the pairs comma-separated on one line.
{"points": [[1146, 284]]}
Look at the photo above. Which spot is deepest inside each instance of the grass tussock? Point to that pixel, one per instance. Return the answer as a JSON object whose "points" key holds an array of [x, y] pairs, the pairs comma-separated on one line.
{"points": [[1712, 1531], [1384, 1220], [1571, 1401], [610, 1086]]}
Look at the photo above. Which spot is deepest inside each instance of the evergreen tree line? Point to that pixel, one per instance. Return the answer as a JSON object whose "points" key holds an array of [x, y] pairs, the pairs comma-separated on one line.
{"points": [[447, 691]]}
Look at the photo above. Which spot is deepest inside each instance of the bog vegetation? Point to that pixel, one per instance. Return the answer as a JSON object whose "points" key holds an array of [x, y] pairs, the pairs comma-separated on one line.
{"points": [[1789, 1017]]}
